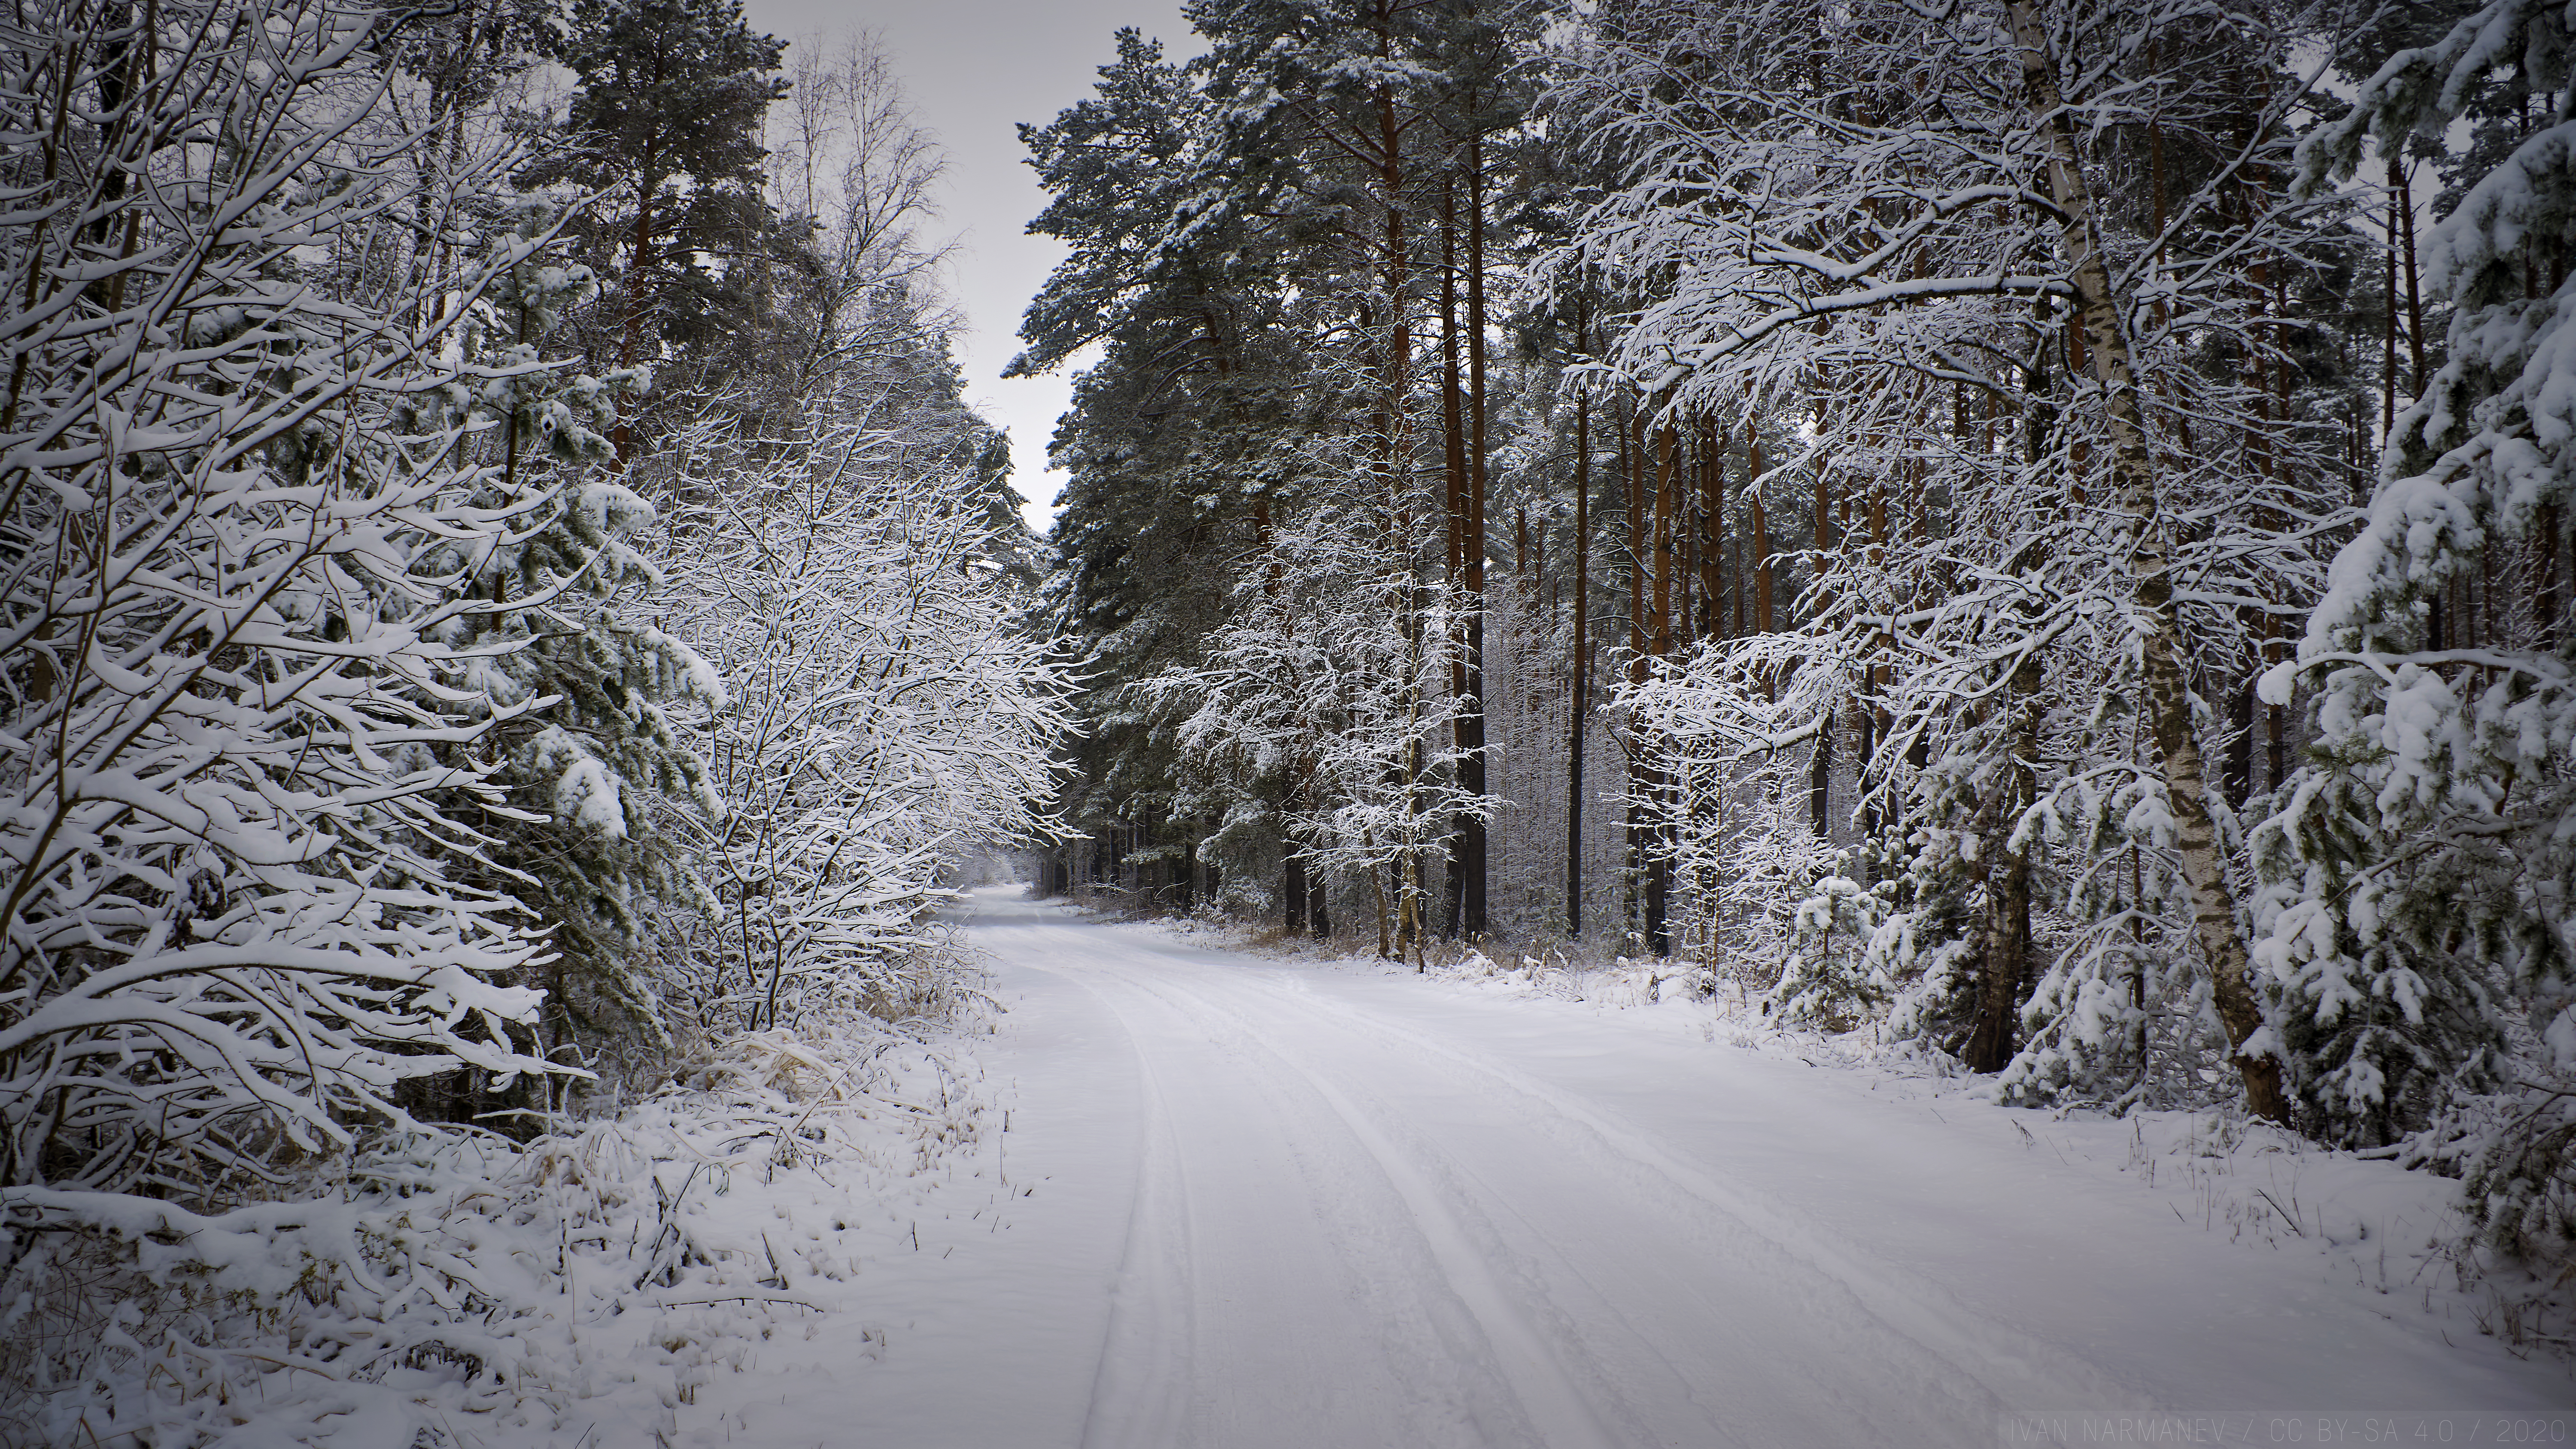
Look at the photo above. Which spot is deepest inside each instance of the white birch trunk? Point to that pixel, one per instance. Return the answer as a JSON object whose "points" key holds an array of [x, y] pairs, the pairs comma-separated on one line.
{"points": [[2133, 481]]}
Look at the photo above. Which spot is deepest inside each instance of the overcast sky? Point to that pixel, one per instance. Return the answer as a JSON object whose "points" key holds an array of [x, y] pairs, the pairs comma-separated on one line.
{"points": [[974, 69]]}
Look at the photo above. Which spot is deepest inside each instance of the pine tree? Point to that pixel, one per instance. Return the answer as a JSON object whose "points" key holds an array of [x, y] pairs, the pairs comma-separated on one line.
{"points": [[667, 122], [1183, 442]]}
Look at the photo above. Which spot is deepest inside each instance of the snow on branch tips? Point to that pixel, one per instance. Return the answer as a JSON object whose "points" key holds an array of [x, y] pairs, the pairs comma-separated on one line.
{"points": [[882, 720], [235, 920]]}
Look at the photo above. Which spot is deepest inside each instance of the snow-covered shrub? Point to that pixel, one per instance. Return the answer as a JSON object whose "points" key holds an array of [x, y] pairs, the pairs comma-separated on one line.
{"points": [[241, 911], [448, 1287], [2522, 1182], [2120, 1015], [1719, 791], [884, 716], [2120, 1018], [420, 1269]]}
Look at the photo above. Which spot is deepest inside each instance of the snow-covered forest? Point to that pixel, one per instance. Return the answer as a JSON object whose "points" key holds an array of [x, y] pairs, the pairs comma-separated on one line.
{"points": [[504, 602], [2034, 530], [2032, 534]]}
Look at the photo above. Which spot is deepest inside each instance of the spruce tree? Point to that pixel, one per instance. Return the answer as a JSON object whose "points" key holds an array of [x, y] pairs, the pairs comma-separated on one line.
{"points": [[2418, 884], [602, 782], [667, 123]]}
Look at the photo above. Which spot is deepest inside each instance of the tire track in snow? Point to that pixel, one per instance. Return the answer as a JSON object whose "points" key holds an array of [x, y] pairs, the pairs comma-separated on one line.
{"points": [[1139, 1392], [1544, 1393], [2018, 1370], [1793, 1330], [1561, 1413], [1915, 1376]]}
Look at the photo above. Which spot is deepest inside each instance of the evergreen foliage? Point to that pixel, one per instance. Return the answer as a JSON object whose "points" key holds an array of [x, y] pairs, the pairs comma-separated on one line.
{"points": [[666, 123], [2418, 873], [589, 754]]}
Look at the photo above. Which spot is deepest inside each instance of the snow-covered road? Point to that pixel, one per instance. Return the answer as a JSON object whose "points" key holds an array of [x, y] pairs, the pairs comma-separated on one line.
{"points": [[1246, 1202]]}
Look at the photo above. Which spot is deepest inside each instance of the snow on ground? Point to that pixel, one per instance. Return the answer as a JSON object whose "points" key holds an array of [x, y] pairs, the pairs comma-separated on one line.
{"points": [[1251, 1201], [1185, 1195], [466, 1293]]}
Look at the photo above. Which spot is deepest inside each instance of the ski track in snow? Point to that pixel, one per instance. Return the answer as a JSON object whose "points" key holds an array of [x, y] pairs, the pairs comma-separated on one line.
{"points": [[1258, 1203]]}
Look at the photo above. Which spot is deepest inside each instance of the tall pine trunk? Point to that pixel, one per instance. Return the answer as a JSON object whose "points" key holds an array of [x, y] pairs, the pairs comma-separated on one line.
{"points": [[1460, 516], [1579, 666], [623, 438], [1659, 859], [1471, 715]]}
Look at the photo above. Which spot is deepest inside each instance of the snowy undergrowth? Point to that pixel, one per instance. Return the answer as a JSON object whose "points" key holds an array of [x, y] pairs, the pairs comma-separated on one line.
{"points": [[2369, 1221], [467, 1291]]}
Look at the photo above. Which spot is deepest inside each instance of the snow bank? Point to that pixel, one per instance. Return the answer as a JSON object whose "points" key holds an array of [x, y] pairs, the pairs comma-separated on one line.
{"points": [[464, 1290]]}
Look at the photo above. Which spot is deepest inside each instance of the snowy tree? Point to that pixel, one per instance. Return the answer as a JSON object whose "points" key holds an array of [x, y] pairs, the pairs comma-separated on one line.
{"points": [[353, 787], [883, 716], [1298, 235], [1892, 230], [241, 681], [1331, 684], [599, 756], [665, 130], [1829, 982], [2415, 914]]}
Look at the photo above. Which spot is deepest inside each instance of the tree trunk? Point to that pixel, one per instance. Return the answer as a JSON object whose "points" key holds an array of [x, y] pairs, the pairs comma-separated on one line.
{"points": [[2133, 483], [1659, 862], [1578, 666], [2414, 293], [1820, 781], [2388, 367], [624, 436], [1454, 459], [1632, 448], [1632, 477], [2006, 970], [1471, 718], [1761, 537], [1377, 887]]}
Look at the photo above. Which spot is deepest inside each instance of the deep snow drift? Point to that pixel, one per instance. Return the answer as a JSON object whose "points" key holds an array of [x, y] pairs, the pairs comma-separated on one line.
{"points": [[1243, 1202]]}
